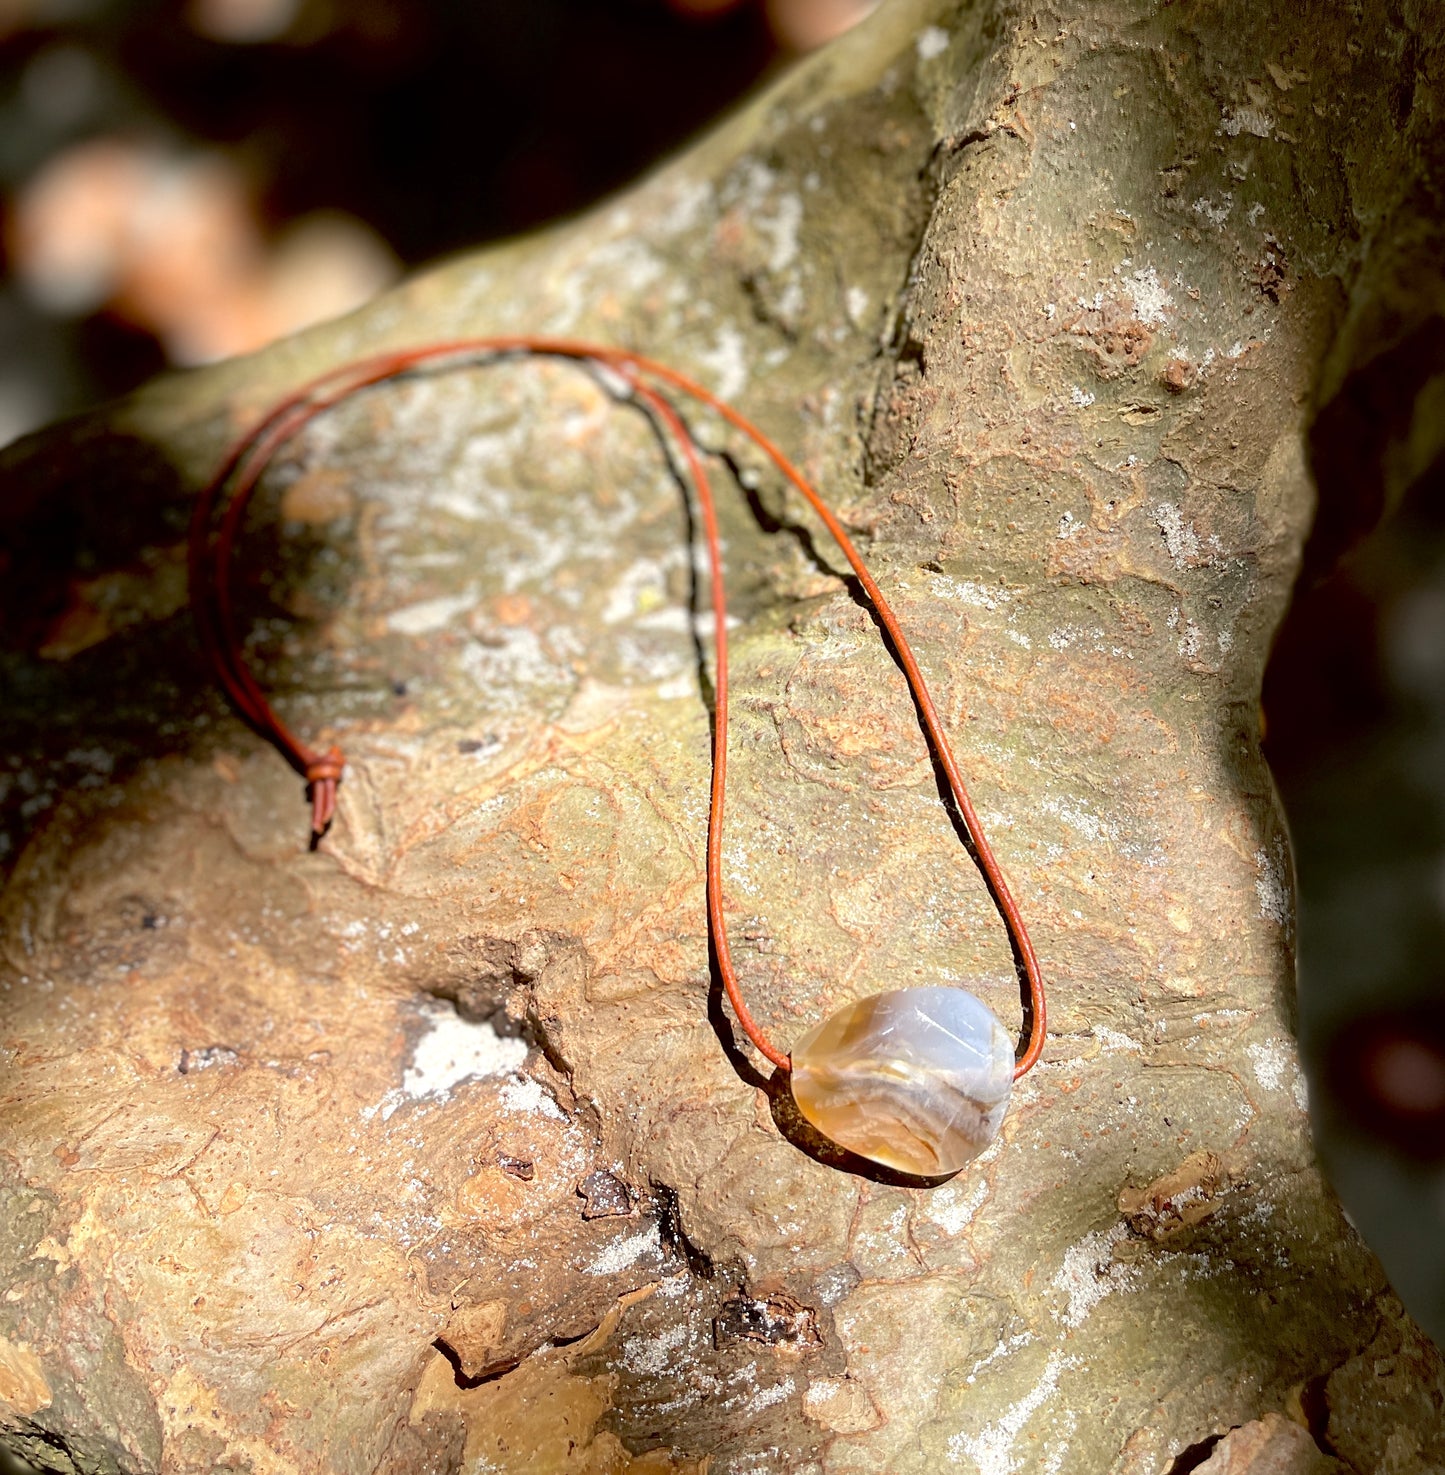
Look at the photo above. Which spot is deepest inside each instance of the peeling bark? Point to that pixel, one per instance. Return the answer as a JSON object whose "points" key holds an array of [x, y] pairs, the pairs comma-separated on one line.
{"points": [[297, 1146]]}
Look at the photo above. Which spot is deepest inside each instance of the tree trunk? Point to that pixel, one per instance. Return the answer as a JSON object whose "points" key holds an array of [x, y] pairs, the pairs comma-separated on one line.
{"points": [[1043, 297]]}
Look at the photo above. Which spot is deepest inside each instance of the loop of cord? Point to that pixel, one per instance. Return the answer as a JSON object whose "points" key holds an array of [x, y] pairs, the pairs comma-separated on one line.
{"points": [[210, 556]]}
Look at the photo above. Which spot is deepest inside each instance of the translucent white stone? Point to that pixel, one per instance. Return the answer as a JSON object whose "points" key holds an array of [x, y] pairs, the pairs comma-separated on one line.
{"points": [[917, 1079]]}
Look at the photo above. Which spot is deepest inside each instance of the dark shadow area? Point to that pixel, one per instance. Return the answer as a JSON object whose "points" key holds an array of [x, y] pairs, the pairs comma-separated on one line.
{"points": [[1354, 440], [1315, 1405], [12, 1463], [100, 666], [749, 484], [1354, 701], [797, 1129], [466, 1380], [72, 509], [79, 661], [1194, 1456], [674, 1236]]}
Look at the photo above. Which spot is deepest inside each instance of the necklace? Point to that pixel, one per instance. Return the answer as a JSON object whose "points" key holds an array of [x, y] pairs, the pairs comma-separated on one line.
{"points": [[915, 1079]]}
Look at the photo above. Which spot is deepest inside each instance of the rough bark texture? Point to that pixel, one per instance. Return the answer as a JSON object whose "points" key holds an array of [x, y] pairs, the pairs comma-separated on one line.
{"points": [[1044, 298]]}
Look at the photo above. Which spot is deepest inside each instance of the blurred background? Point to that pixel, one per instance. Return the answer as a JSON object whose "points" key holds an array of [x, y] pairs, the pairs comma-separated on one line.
{"points": [[1354, 705], [182, 180]]}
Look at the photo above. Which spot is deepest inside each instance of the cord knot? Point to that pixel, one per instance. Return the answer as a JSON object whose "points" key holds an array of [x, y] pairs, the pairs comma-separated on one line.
{"points": [[323, 776]]}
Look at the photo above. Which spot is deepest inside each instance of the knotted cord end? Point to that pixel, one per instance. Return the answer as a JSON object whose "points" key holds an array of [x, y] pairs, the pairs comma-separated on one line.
{"points": [[323, 777]]}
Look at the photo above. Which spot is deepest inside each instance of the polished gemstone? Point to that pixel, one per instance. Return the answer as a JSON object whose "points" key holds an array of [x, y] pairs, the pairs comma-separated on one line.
{"points": [[916, 1079]]}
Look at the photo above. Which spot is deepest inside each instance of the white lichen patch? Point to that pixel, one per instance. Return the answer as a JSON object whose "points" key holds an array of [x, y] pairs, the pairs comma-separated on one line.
{"points": [[884, 1244], [1180, 537], [683, 205], [510, 667], [992, 1448], [1215, 212], [676, 688], [1090, 826], [952, 1209], [642, 588], [767, 1397], [1191, 641], [430, 614], [451, 1050], [1277, 1069], [751, 188], [1246, 119], [1080, 397], [1149, 295], [1110, 1040], [1004, 1348], [932, 41], [653, 1356], [790, 305], [1054, 1462], [765, 1462], [523, 1094], [781, 230], [626, 264], [967, 592], [386, 1107], [1270, 885], [821, 1391], [727, 362], [623, 1253], [1090, 1273]]}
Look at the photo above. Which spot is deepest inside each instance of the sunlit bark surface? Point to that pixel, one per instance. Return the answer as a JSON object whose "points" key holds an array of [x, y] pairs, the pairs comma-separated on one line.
{"points": [[422, 1152]]}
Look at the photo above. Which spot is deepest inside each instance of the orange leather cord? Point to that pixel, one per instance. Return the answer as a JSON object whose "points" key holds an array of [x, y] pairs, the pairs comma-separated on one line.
{"points": [[212, 544]]}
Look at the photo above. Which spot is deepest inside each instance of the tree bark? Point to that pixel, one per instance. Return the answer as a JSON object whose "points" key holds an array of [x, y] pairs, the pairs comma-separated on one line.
{"points": [[1045, 299]]}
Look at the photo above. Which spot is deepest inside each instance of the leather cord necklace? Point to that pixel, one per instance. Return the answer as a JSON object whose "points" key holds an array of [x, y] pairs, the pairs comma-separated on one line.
{"points": [[917, 1079]]}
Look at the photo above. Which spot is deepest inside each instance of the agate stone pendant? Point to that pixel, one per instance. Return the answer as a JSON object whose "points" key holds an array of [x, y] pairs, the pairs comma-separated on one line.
{"points": [[917, 1079]]}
